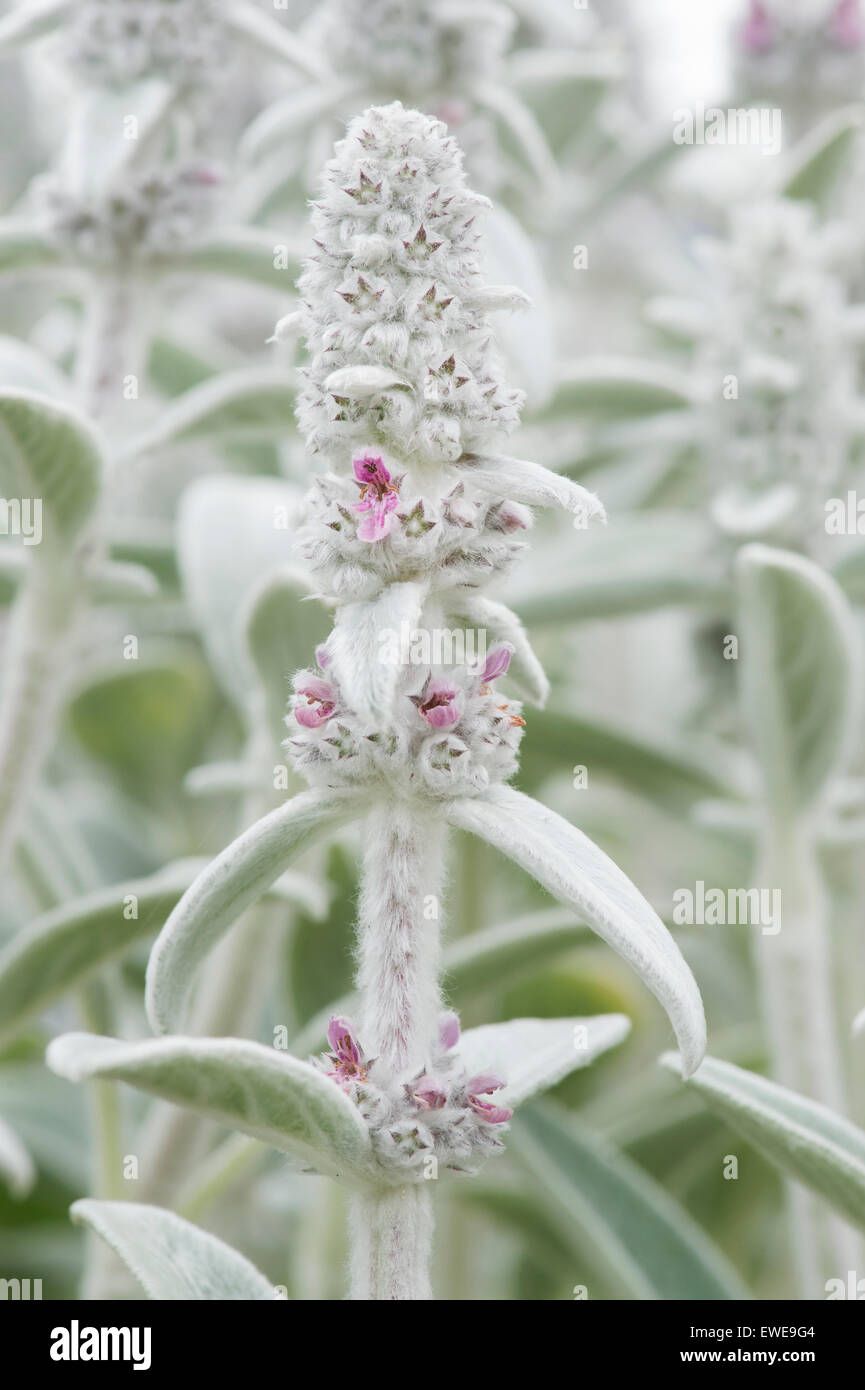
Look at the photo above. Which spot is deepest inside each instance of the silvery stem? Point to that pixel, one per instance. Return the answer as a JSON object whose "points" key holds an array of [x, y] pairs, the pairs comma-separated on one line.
{"points": [[398, 979]]}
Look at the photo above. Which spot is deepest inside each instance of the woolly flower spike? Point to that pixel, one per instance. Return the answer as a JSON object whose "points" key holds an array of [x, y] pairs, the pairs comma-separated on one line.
{"points": [[438, 1112], [394, 301], [449, 735], [779, 327], [114, 42], [145, 215], [439, 48]]}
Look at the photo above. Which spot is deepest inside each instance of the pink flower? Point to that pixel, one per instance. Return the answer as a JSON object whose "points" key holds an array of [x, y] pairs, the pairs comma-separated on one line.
{"points": [[846, 28], [320, 699], [449, 1031], [437, 704], [429, 1093], [346, 1054], [485, 1085], [497, 663], [379, 497], [758, 33]]}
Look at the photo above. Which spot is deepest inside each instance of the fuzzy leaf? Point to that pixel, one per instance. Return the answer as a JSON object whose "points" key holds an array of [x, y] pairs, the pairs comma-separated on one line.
{"points": [[577, 872], [230, 884], [799, 668], [250, 403], [530, 483], [803, 1138], [97, 149], [262, 1092], [651, 1245], [22, 366], [360, 382], [172, 1259], [49, 451], [357, 647], [533, 1054]]}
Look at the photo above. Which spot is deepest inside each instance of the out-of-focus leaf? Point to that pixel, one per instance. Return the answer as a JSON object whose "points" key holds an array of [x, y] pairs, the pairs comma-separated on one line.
{"points": [[283, 119], [655, 768], [60, 949], [818, 162], [800, 675], [533, 1054], [230, 533], [250, 403], [285, 622], [146, 720], [230, 884], [265, 33], [24, 367], [262, 1092], [650, 1243], [244, 253], [617, 387], [17, 1168], [49, 452], [577, 872], [484, 960], [172, 1259], [97, 150], [29, 21], [633, 565], [806, 1140]]}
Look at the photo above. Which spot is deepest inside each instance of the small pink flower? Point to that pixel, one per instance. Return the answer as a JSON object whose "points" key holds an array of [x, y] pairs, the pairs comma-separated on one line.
{"points": [[346, 1054], [758, 33], [429, 1093], [322, 656], [846, 27], [437, 704], [485, 1085], [449, 1031], [320, 704], [379, 497], [497, 663]]}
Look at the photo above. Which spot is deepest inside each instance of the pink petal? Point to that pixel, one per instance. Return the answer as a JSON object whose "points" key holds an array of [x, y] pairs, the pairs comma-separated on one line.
{"points": [[377, 524], [483, 1084], [846, 27], [322, 656], [493, 1114], [449, 1031], [759, 31], [341, 1037], [314, 688], [369, 468], [442, 716], [429, 1094], [497, 662], [313, 716]]}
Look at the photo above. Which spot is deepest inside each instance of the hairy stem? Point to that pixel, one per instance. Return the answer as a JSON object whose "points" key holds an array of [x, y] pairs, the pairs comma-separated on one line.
{"points": [[391, 1239], [399, 950], [110, 344], [398, 979]]}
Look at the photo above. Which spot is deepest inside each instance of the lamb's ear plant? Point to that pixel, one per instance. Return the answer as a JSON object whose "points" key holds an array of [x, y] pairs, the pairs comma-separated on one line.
{"points": [[405, 403]]}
